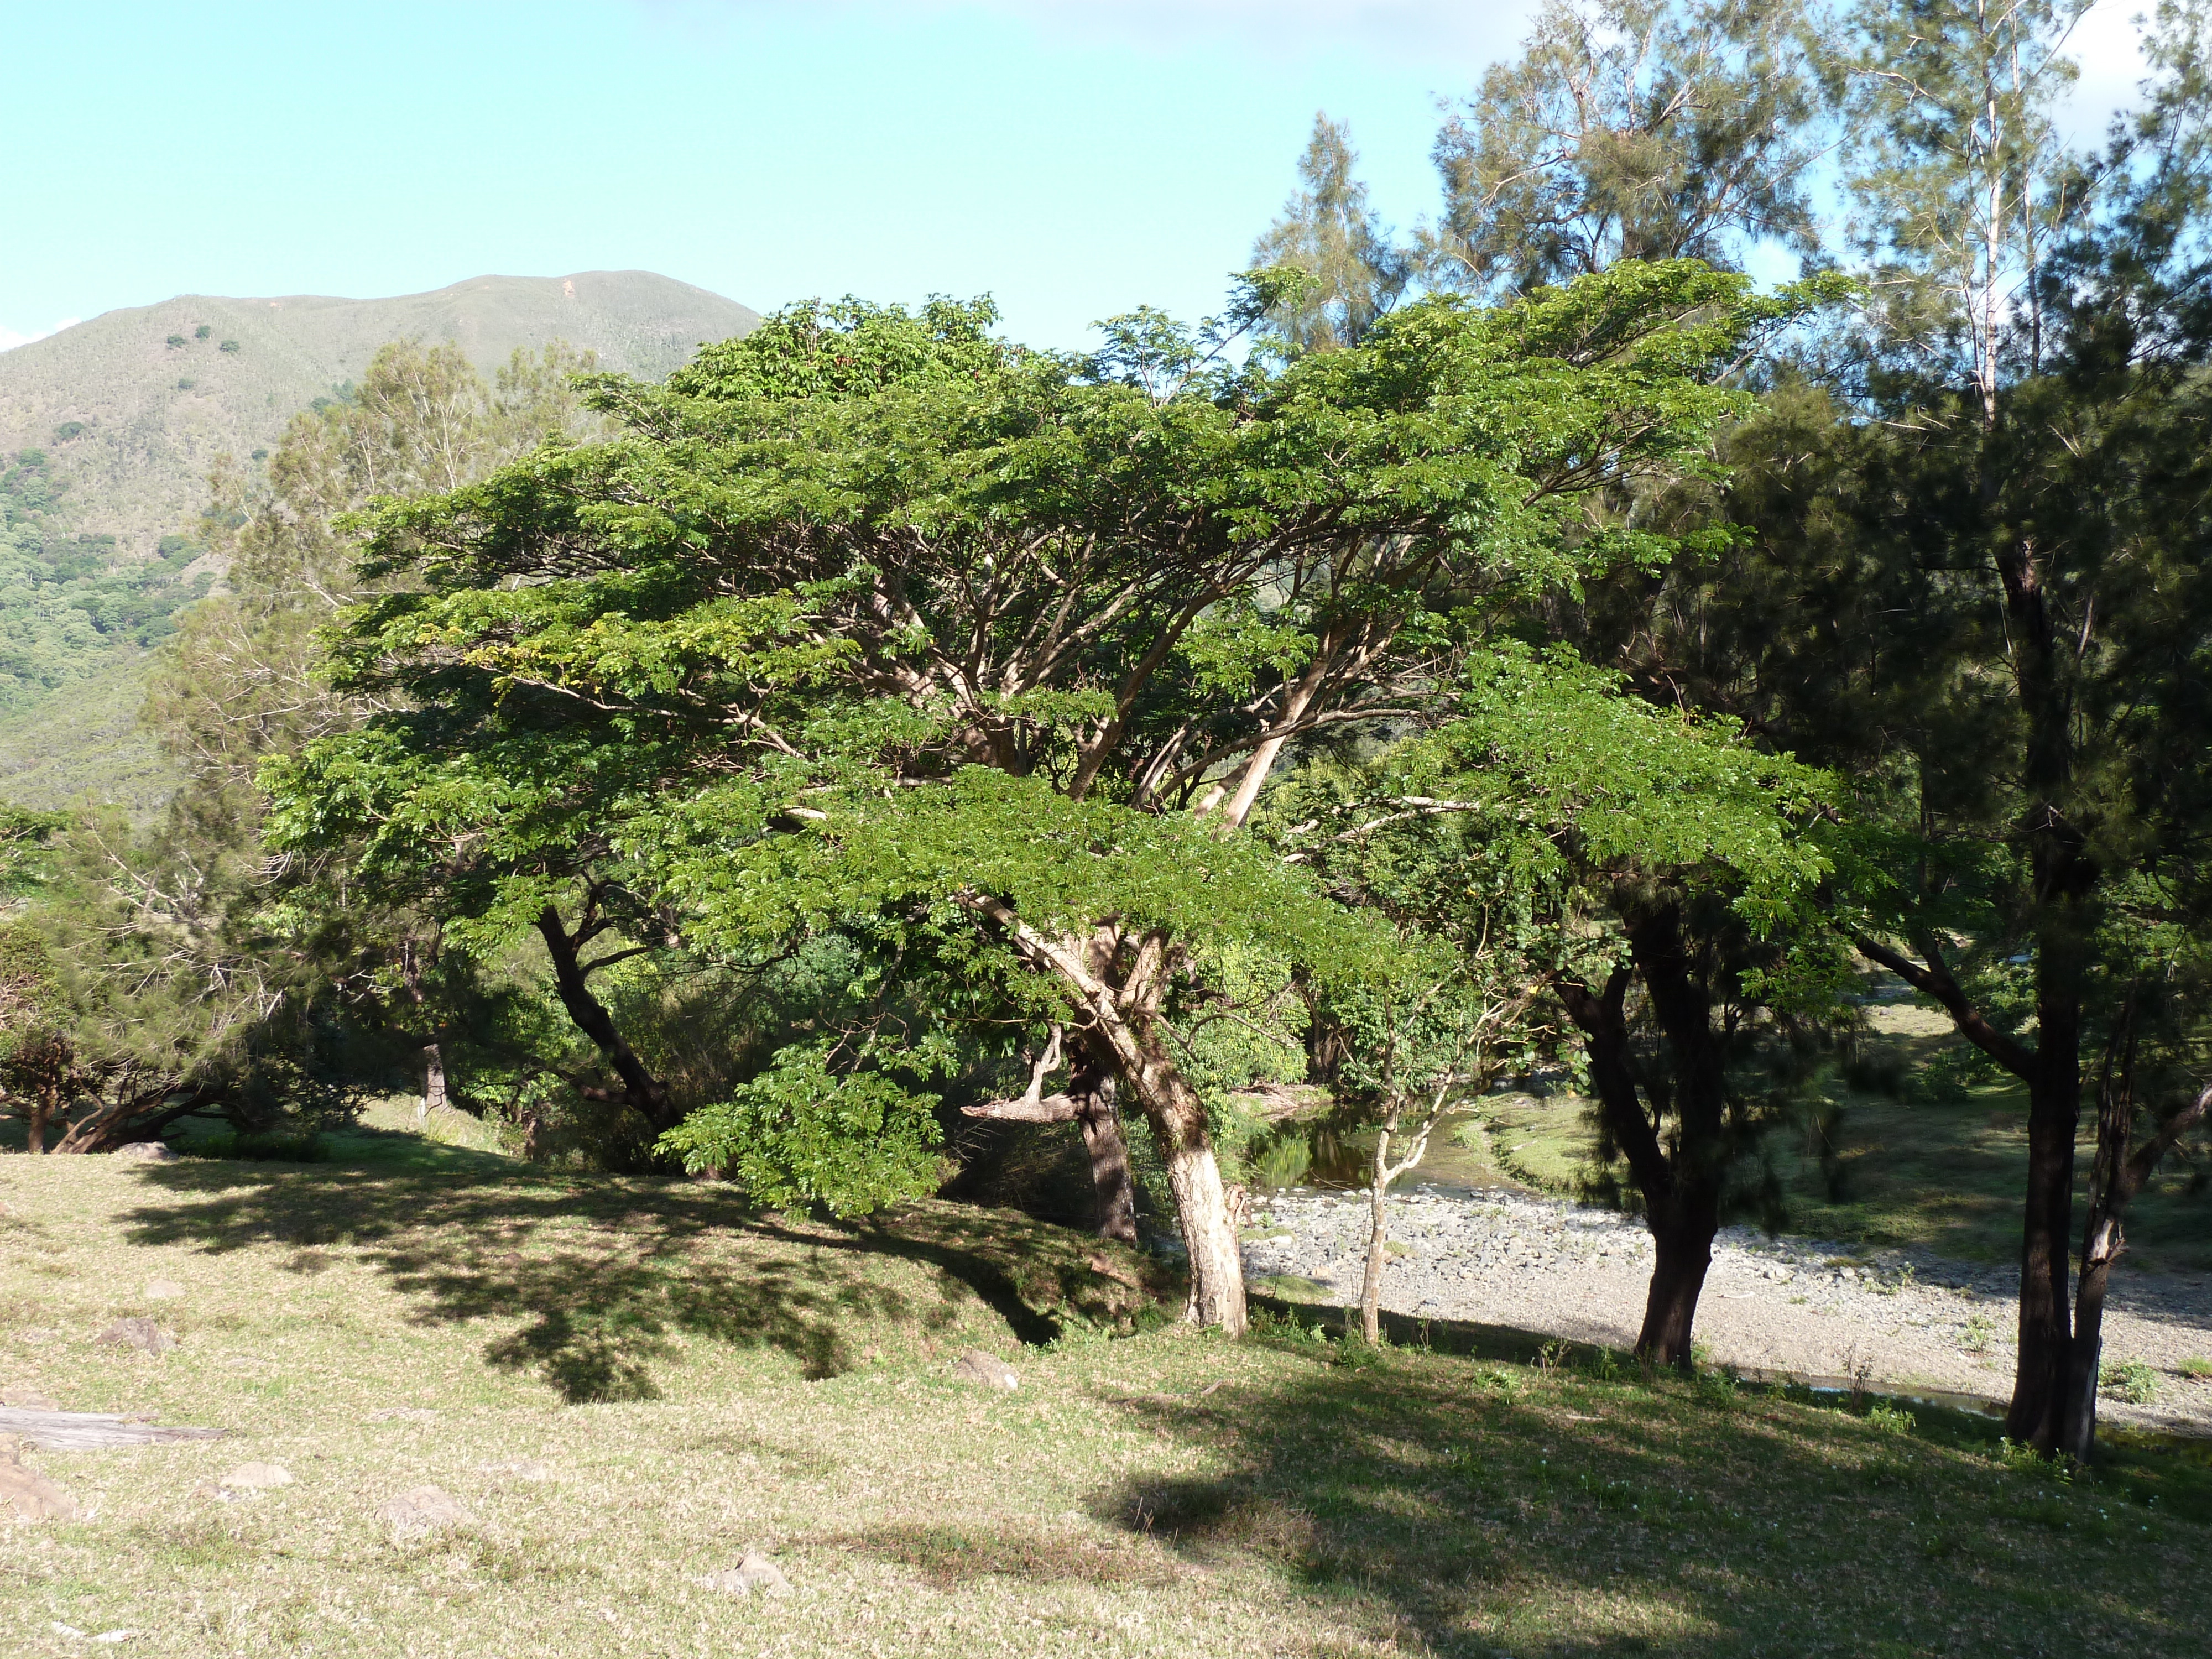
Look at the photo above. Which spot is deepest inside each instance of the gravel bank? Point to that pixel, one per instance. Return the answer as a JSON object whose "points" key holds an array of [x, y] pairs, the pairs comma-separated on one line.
{"points": [[1799, 1306]]}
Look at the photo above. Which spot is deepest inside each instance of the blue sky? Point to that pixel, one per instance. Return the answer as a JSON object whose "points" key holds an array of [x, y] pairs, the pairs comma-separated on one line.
{"points": [[1073, 160]]}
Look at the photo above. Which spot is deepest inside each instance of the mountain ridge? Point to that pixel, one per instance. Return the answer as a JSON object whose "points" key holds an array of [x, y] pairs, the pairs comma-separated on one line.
{"points": [[133, 405]]}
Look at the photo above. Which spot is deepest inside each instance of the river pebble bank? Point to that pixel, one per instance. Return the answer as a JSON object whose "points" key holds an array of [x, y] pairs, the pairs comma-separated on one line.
{"points": [[1902, 1319]]}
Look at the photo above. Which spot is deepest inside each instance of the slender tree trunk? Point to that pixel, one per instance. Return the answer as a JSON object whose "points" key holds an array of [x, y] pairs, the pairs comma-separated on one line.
{"points": [[639, 1087], [2078, 1425], [1378, 1236], [2037, 1413], [434, 1080]]}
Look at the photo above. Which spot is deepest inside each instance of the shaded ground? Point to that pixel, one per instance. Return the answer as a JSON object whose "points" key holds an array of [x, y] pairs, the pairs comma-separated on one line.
{"points": [[693, 1380]]}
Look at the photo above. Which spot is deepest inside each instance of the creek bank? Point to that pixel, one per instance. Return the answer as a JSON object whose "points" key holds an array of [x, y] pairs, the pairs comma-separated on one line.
{"points": [[1903, 1319]]}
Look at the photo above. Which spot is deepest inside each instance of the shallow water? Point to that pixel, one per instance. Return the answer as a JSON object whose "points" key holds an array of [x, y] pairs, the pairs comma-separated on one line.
{"points": [[1324, 1156]]}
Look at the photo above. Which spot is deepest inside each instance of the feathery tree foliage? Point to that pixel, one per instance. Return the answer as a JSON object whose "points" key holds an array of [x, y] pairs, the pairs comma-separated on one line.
{"points": [[1634, 129]]}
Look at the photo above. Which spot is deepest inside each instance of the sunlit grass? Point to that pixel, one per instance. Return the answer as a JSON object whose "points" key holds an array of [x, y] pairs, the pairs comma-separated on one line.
{"points": [[695, 1380]]}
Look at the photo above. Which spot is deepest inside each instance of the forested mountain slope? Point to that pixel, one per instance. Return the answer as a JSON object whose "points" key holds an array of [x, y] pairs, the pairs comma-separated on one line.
{"points": [[108, 431]]}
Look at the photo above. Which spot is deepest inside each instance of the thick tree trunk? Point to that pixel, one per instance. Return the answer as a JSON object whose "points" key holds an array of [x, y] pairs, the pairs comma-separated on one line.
{"points": [[42, 1112], [1092, 1090], [1681, 1189], [639, 1087], [1122, 1020], [1177, 1119], [1684, 1253]]}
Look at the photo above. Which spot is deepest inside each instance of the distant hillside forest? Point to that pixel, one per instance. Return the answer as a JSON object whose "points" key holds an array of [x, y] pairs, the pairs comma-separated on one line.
{"points": [[66, 600]]}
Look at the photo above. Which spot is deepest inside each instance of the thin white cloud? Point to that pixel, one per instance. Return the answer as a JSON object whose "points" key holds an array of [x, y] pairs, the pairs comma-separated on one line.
{"points": [[9, 339]]}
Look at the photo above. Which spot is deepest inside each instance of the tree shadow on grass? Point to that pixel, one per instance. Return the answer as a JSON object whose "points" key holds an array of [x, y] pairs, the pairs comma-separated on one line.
{"points": [[1461, 1508], [605, 1273]]}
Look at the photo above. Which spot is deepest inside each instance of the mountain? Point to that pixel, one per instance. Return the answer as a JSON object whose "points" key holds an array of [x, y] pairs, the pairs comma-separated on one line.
{"points": [[132, 406], [107, 430]]}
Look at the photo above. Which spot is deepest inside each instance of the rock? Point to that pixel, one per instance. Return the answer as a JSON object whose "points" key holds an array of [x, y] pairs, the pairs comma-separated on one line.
{"points": [[755, 1573], [29, 1496], [520, 1469], [142, 1334], [148, 1152], [257, 1477], [29, 1400], [976, 1366], [162, 1290], [422, 1509]]}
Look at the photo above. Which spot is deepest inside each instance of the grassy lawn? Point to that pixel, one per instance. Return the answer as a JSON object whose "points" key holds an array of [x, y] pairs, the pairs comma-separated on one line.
{"points": [[695, 1379], [1945, 1173]]}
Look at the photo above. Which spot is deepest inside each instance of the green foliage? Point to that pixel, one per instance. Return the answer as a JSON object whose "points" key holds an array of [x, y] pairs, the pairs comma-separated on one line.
{"points": [[800, 1134], [2132, 1381], [65, 602]]}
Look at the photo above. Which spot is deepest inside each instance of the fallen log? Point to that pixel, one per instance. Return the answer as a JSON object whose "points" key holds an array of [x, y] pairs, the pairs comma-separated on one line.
{"points": [[87, 1430]]}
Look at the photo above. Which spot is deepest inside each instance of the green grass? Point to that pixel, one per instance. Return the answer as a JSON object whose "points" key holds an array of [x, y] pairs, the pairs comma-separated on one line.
{"points": [[1947, 1174], [698, 1379]]}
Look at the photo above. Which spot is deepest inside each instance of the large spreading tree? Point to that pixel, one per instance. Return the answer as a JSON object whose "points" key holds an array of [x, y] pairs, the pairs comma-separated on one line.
{"points": [[872, 617]]}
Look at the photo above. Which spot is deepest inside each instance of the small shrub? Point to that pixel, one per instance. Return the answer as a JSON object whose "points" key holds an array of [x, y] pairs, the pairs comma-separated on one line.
{"points": [[187, 384], [2025, 1460], [2195, 1365], [1603, 1366], [1890, 1419], [1978, 1332], [67, 430], [202, 331], [176, 340], [2131, 1380], [228, 345]]}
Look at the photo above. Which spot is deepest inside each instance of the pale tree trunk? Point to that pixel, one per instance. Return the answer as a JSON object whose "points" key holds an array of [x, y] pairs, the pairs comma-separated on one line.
{"points": [[433, 1081], [1123, 1021], [1382, 1174], [1378, 1237]]}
